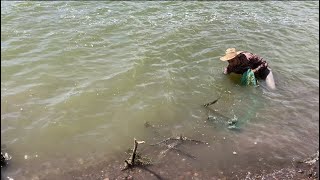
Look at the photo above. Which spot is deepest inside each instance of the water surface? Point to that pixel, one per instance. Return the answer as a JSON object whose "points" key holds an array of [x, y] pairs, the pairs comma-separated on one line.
{"points": [[80, 79]]}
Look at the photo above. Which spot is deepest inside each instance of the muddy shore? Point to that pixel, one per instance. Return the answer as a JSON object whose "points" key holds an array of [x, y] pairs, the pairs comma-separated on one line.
{"points": [[172, 168], [181, 165]]}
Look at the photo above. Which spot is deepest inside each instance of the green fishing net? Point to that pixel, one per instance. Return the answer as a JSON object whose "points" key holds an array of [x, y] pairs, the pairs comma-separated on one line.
{"points": [[248, 78]]}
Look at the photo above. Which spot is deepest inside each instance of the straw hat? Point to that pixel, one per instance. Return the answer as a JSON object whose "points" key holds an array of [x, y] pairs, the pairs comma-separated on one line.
{"points": [[230, 54]]}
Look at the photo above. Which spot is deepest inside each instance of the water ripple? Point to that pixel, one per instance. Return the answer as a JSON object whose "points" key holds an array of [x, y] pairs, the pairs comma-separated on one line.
{"points": [[79, 73]]}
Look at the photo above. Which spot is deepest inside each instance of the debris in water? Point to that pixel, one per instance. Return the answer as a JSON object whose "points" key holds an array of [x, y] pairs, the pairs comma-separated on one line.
{"points": [[5, 157], [234, 152], [233, 123], [147, 124], [25, 156], [210, 103], [313, 159]]}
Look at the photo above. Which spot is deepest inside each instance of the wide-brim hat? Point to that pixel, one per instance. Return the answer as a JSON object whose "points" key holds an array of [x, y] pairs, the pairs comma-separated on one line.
{"points": [[230, 54]]}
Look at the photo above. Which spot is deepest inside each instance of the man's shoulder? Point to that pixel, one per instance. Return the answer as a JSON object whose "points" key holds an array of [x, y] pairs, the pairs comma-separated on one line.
{"points": [[245, 54], [249, 55]]}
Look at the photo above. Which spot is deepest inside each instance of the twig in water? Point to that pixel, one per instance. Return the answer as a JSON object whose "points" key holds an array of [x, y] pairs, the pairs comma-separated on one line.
{"points": [[210, 103], [181, 138], [177, 142], [130, 162]]}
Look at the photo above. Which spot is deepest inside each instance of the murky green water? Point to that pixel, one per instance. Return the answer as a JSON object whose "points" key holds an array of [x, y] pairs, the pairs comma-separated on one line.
{"points": [[80, 79]]}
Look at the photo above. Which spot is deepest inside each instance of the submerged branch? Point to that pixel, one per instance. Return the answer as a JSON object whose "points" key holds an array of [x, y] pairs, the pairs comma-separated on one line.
{"points": [[179, 138], [131, 161], [210, 103], [173, 146]]}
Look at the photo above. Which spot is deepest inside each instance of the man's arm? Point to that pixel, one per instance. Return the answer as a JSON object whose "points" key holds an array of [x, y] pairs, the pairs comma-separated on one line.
{"points": [[225, 70], [235, 69], [228, 69], [264, 64], [257, 62]]}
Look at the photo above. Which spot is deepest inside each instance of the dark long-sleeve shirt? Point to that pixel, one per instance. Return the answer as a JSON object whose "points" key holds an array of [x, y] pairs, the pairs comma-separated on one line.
{"points": [[249, 61]]}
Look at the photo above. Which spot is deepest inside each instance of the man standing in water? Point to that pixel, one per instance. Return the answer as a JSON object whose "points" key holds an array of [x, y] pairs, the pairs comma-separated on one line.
{"points": [[241, 61]]}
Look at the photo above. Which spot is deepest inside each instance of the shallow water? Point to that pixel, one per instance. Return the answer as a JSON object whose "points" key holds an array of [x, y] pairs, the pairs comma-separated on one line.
{"points": [[80, 79]]}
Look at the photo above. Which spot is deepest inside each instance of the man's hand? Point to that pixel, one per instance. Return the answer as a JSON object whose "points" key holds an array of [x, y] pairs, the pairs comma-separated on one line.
{"points": [[225, 71], [265, 64], [259, 67]]}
